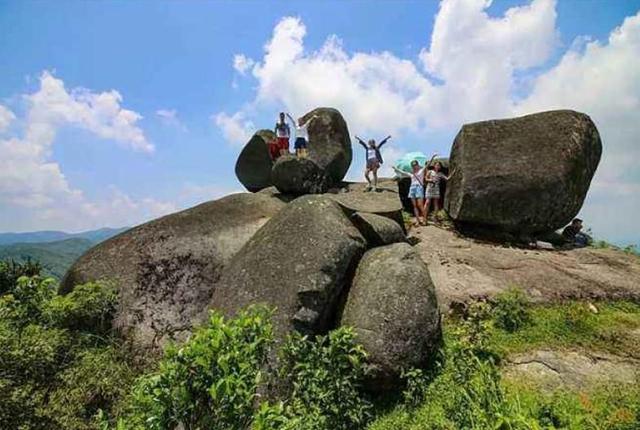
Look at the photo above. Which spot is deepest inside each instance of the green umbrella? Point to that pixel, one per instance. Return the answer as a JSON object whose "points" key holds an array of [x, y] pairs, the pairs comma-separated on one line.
{"points": [[404, 163]]}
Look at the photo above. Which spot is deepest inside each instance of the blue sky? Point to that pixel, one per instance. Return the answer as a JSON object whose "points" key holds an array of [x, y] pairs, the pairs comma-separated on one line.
{"points": [[172, 63]]}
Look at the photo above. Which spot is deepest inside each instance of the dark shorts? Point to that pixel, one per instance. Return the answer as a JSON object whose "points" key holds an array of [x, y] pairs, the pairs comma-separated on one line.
{"points": [[300, 143], [373, 164], [283, 143]]}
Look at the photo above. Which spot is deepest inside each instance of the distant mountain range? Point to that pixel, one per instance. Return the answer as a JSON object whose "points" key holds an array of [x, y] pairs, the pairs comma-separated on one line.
{"points": [[55, 250]]}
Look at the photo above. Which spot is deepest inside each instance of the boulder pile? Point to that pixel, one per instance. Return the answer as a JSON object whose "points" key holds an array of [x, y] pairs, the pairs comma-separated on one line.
{"points": [[329, 158], [324, 253]]}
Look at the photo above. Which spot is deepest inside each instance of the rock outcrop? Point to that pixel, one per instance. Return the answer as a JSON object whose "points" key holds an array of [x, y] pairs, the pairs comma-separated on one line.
{"points": [[329, 156], [378, 230], [524, 175], [166, 270], [253, 167], [393, 308], [300, 262]]}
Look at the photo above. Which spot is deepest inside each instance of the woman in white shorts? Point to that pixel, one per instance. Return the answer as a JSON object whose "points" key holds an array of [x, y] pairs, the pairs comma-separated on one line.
{"points": [[416, 190]]}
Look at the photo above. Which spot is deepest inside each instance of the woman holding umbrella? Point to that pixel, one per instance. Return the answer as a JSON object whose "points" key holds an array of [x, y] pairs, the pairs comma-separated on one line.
{"points": [[416, 190]]}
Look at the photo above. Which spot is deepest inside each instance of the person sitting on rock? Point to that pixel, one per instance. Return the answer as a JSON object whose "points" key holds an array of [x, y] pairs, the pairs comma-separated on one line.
{"points": [[573, 236], [374, 160], [416, 190], [282, 132], [302, 135], [432, 179]]}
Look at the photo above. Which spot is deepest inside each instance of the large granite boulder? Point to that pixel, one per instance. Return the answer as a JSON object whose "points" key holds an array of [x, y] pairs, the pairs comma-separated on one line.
{"points": [[330, 151], [166, 270], [524, 175], [393, 309], [253, 167], [300, 262]]}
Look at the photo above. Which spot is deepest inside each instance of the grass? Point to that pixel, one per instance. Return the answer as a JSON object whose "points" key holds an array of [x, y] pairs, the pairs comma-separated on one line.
{"points": [[575, 325], [469, 393]]}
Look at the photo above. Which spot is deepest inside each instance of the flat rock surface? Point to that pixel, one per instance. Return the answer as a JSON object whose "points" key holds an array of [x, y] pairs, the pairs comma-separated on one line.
{"points": [[571, 369], [353, 197], [464, 269]]}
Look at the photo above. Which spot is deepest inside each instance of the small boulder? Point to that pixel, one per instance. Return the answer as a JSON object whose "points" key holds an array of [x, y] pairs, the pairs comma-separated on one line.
{"points": [[393, 309], [525, 175], [298, 176], [300, 262], [166, 270], [253, 167], [385, 202], [378, 230], [329, 156]]}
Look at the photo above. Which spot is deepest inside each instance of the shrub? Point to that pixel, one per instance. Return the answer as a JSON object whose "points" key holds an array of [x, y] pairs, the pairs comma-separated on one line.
{"points": [[209, 382], [10, 271], [511, 310], [326, 376]]}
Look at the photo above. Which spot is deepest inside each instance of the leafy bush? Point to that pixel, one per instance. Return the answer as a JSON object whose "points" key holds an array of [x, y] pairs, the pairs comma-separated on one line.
{"points": [[10, 271], [511, 310], [326, 376], [55, 373], [209, 382]]}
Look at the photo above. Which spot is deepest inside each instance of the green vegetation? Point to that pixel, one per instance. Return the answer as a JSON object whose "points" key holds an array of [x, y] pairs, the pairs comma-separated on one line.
{"points": [[59, 364], [62, 367], [468, 392], [54, 257]]}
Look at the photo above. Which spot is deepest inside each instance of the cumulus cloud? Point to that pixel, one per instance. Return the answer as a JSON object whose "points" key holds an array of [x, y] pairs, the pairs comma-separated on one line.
{"points": [[242, 63], [33, 189], [235, 128], [6, 118], [475, 67]]}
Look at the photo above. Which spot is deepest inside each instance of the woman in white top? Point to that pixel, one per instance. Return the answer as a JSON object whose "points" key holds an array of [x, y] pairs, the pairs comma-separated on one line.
{"points": [[302, 135], [416, 190]]}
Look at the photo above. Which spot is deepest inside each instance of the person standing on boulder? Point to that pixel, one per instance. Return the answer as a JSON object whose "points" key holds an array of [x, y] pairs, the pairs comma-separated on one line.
{"points": [[416, 190], [433, 179], [302, 135], [283, 132], [374, 160]]}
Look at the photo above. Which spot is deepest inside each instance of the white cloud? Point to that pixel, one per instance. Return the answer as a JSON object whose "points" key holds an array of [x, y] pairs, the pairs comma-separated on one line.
{"points": [[242, 63], [34, 192], [378, 92], [6, 118], [170, 117], [236, 129]]}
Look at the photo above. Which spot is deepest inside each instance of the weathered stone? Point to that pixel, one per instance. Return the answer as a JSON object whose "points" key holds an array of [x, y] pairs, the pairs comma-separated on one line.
{"points": [[329, 156], [299, 176], [378, 230], [166, 270], [253, 167], [393, 309], [524, 175], [300, 262], [384, 202]]}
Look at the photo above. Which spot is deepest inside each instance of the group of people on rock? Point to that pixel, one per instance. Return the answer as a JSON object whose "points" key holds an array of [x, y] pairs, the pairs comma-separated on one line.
{"points": [[424, 191], [280, 146]]}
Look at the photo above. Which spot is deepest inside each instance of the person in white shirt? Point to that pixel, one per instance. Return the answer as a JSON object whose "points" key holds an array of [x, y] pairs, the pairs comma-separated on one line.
{"points": [[374, 160], [416, 190], [302, 135]]}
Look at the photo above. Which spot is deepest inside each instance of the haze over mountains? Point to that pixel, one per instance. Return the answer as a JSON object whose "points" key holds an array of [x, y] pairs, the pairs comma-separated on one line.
{"points": [[55, 250]]}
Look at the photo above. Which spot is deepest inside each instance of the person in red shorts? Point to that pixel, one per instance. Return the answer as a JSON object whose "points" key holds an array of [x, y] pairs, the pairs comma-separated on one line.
{"points": [[282, 132]]}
